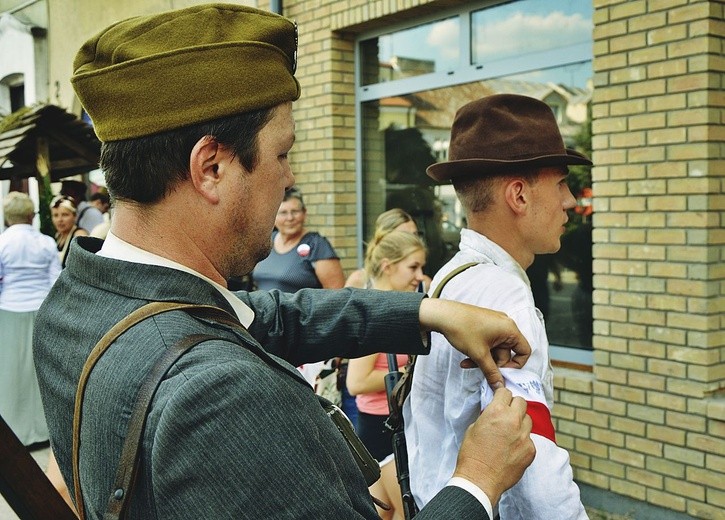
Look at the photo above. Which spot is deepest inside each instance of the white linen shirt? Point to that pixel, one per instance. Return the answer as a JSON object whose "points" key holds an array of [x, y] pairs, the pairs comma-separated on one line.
{"points": [[29, 266], [445, 399]]}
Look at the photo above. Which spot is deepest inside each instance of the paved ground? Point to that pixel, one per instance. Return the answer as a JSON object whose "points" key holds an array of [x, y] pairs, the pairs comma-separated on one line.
{"points": [[41, 456]]}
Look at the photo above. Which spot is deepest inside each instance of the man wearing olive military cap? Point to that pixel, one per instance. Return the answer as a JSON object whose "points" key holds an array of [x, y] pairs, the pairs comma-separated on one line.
{"points": [[194, 108]]}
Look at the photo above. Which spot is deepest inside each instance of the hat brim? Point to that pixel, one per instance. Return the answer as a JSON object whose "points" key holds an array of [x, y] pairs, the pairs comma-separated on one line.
{"points": [[445, 171]]}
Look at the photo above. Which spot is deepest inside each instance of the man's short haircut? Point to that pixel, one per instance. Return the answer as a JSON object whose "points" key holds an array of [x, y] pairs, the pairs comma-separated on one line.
{"points": [[476, 192], [145, 169]]}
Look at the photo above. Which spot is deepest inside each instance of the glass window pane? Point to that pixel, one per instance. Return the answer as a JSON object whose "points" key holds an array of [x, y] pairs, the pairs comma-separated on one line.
{"points": [[424, 49], [402, 135], [526, 27]]}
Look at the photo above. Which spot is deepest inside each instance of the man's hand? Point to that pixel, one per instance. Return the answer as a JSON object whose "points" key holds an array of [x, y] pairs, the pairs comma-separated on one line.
{"points": [[489, 338], [497, 448]]}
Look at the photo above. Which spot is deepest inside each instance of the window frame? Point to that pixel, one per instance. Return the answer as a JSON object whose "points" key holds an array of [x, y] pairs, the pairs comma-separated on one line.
{"points": [[465, 73]]}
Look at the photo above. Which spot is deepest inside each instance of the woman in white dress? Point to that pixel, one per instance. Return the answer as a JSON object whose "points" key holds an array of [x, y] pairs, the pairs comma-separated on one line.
{"points": [[29, 266]]}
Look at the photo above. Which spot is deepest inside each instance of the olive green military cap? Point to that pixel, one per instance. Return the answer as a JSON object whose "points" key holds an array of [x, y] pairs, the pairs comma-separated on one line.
{"points": [[150, 74]]}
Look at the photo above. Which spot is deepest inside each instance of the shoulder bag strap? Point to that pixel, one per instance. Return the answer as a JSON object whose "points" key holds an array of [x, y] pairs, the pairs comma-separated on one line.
{"points": [[128, 465], [151, 309], [402, 388]]}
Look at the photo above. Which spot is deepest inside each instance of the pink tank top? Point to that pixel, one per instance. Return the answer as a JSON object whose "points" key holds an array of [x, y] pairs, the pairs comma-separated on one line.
{"points": [[376, 403]]}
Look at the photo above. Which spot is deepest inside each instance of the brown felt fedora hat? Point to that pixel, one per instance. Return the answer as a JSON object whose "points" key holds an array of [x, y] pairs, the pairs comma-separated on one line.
{"points": [[502, 132], [151, 74]]}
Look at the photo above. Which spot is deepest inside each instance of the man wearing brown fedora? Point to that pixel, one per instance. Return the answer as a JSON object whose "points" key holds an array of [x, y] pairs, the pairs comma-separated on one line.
{"points": [[508, 165], [199, 412]]}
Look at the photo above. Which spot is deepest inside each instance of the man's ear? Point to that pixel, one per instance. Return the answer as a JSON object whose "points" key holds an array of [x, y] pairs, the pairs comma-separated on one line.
{"points": [[517, 195], [204, 164]]}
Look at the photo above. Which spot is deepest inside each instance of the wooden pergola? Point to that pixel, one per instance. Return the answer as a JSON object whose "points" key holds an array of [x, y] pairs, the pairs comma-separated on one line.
{"points": [[46, 140]]}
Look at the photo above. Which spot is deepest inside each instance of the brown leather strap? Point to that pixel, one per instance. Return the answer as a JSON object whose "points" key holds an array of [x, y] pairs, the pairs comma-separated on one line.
{"points": [[130, 455], [402, 388], [151, 309]]}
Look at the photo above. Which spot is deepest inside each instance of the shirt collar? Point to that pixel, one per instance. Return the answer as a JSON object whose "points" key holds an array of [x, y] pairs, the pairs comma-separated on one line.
{"points": [[114, 247], [478, 244]]}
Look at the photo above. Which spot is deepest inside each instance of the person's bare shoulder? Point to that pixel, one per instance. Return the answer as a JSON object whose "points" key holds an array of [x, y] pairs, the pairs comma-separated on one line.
{"points": [[356, 279]]}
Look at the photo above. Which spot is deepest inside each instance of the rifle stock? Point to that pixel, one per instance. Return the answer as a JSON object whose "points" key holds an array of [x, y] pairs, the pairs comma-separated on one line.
{"points": [[24, 485]]}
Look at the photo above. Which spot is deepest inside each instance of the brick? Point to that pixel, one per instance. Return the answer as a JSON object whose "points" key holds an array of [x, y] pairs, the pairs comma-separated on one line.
{"points": [[699, 510], [610, 62], [646, 478], [627, 330], [716, 408], [646, 446], [644, 380], [593, 449], [666, 269], [647, 55], [626, 393], [647, 220], [667, 203], [690, 82], [627, 42], [625, 425], [647, 187], [626, 457], [661, 69], [609, 406], [666, 136], [628, 488], [609, 30], [691, 47], [690, 151], [666, 170], [666, 34], [576, 400], [646, 252], [688, 456], [666, 400], [647, 349], [688, 422], [666, 499], [648, 20], [607, 436], [636, 236], [647, 121], [665, 467], [592, 478], [627, 268], [572, 428], [688, 321], [645, 413], [665, 302], [666, 434], [667, 335], [692, 355], [705, 443], [715, 462], [647, 89], [608, 467], [628, 9], [667, 368], [685, 489]]}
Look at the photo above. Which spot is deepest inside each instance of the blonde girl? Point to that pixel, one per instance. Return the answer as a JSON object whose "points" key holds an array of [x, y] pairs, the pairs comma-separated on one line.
{"points": [[394, 262]]}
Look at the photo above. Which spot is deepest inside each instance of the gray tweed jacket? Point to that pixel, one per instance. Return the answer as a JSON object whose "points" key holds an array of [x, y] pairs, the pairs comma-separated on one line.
{"points": [[229, 435]]}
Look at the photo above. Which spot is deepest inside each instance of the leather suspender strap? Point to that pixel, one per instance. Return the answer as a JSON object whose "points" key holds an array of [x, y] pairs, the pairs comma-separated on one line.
{"points": [[127, 470], [402, 388], [458, 270], [128, 465]]}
